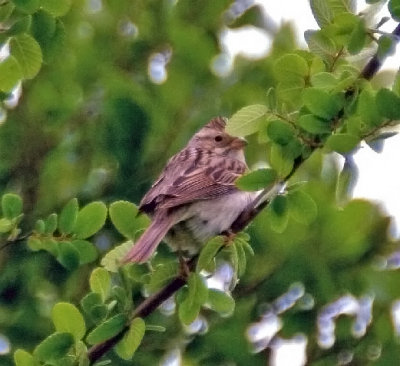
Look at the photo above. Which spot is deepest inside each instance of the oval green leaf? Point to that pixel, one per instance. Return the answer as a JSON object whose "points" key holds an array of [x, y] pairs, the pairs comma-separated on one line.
{"points": [[124, 216], [23, 358], [68, 216], [220, 302], [247, 120], [67, 318], [208, 252], [290, 67], [56, 8], [87, 251], [257, 179], [342, 142], [322, 104], [10, 73], [302, 207], [68, 255], [100, 282], [107, 330], [5, 225], [54, 347], [11, 205], [131, 340], [27, 52], [198, 290], [388, 104], [90, 220], [314, 124], [50, 224], [280, 132]]}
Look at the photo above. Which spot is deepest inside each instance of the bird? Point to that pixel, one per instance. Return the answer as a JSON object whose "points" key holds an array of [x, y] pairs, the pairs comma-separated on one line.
{"points": [[195, 197]]}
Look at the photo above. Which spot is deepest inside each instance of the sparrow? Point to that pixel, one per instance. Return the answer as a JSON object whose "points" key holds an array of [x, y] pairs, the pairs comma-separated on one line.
{"points": [[195, 197]]}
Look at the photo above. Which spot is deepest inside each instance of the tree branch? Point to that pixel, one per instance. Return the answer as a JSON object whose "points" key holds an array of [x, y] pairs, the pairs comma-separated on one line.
{"points": [[375, 63], [153, 302]]}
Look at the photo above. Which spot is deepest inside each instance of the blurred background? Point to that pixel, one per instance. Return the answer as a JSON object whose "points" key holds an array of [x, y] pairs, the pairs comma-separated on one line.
{"points": [[128, 85]]}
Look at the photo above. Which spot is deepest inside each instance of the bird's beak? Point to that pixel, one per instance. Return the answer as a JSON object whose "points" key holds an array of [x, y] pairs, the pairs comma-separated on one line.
{"points": [[239, 143]]}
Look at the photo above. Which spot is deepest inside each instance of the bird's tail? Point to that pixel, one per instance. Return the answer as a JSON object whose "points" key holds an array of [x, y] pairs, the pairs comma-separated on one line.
{"points": [[148, 242]]}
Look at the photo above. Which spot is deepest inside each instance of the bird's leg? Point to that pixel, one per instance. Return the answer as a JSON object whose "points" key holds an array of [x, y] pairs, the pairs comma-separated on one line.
{"points": [[184, 270], [229, 237]]}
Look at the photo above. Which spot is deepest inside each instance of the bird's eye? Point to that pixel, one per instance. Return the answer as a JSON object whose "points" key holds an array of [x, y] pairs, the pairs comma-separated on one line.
{"points": [[218, 138]]}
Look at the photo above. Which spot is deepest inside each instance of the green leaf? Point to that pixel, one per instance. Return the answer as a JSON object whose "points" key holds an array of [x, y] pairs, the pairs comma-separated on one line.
{"points": [[324, 80], [394, 9], [6, 9], [50, 224], [112, 260], [43, 28], [280, 161], [90, 300], [155, 328], [342, 142], [21, 25], [302, 207], [124, 216], [27, 52], [322, 104], [320, 44], [11, 205], [161, 275], [188, 310], [241, 255], [388, 104], [257, 180], [87, 251], [55, 44], [234, 259], [280, 132], [322, 13], [92, 305], [68, 255], [386, 46], [98, 313], [220, 302], [291, 68], [40, 226], [100, 282], [208, 252], [247, 120], [278, 214], [68, 217], [23, 358], [198, 290], [107, 330], [245, 245], [314, 124], [367, 108], [27, 6], [35, 243], [131, 340], [5, 225], [358, 38], [67, 318], [54, 347], [56, 7], [10, 73], [90, 219]]}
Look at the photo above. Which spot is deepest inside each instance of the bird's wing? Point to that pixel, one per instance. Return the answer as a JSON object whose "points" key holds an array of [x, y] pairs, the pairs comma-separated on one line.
{"points": [[191, 175]]}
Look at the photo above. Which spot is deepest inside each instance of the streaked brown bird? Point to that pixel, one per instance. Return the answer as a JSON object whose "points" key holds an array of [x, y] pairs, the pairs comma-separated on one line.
{"points": [[195, 197]]}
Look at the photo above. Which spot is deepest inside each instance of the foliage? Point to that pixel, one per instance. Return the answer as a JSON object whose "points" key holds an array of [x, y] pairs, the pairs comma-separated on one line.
{"points": [[97, 122]]}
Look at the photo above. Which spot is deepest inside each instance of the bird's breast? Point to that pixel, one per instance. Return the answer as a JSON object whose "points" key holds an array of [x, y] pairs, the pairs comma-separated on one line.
{"points": [[204, 219]]}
